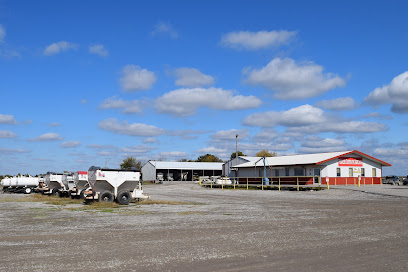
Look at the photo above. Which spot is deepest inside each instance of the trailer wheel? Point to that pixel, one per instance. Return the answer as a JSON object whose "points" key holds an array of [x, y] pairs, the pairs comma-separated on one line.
{"points": [[106, 196], [123, 197], [27, 191]]}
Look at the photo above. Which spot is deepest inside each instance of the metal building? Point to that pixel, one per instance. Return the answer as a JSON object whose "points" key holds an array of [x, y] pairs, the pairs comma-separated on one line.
{"points": [[179, 170], [336, 167], [228, 168]]}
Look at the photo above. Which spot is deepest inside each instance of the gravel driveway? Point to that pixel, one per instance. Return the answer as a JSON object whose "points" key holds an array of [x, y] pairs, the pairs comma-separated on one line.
{"points": [[340, 229]]}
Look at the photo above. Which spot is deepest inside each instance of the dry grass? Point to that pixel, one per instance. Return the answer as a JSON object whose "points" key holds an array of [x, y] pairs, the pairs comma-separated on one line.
{"points": [[192, 213], [165, 202]]}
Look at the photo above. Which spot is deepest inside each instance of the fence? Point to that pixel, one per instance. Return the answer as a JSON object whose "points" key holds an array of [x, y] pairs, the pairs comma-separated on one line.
{"points": [[290, 182]]}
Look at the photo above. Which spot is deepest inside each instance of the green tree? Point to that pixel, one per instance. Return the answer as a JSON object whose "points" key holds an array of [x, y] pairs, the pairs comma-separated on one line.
{"points": [[239, 154], [208, 158], [130, 162], [266, 153]]}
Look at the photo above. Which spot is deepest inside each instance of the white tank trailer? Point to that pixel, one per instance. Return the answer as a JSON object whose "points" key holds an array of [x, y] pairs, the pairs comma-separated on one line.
{"points": [[67, 183], [20, 184], [114, 185], [80, 183], [52, 183]]}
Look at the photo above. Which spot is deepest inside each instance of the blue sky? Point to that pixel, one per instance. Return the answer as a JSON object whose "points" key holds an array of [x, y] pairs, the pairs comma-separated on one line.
{"points": [[91, 82]]}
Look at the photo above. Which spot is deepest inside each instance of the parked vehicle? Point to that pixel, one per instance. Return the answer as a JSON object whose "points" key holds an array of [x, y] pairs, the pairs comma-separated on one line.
{"points": [[52, 183], [393, 180], [67, 183], [405, 181], [170, 177], [223, 180], [159, 178], [113, 185], [19, 184], [80, 183]]}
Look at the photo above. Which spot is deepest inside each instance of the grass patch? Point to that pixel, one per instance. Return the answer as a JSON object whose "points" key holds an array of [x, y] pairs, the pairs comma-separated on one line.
{"points": [[192, 213], [165, 202]]}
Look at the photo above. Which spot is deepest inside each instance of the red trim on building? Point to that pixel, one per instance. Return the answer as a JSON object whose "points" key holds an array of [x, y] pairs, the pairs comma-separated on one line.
{"points": [[358, 152]]}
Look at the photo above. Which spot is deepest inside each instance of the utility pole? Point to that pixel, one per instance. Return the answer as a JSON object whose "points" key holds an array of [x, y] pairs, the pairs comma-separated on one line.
{"points": [[236, 149]]}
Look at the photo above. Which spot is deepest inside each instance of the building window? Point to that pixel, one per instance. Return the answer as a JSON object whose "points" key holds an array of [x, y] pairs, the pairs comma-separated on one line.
{"points": [[299, 172], [338, 172], [287, 171], [350, 172], [362, 172], [276, 172], [374, 172]]}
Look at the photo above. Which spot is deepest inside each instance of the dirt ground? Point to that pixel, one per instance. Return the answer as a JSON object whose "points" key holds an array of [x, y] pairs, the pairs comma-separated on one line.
{"points": [[342, 229]]}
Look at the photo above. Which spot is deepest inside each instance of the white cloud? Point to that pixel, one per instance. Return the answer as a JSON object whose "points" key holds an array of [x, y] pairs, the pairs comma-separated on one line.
{"points": [[7, 119], [316, 144], [150, 140], [173, 154], [139, 149], [12, 151], [165, 29], [7, 134], [46, 137], [133, 106], [70, 144], [2, 33], [256, 40], [290, 80], [229, 135], [300, 116], [192, 77], [266, 135], [312, 120], [338, 104], [377, 115], [84, 101], [97, 146], [59, 47], [396, 94], [136, 79], [135, 129], [212, 150], [98, 49], [185, 102], [54, 124]]}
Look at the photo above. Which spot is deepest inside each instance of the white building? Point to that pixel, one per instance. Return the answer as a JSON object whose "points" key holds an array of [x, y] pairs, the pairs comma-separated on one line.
{"points": [[344, 167], [180, 170]]}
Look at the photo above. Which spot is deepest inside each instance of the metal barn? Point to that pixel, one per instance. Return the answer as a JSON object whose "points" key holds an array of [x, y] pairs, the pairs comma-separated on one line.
{"points": [[180, 170]]}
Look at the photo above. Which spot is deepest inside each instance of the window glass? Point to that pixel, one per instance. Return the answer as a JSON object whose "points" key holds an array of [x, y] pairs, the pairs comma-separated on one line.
{"points": [[338, 172], [362, 172], [299, 172], [287, 171]]}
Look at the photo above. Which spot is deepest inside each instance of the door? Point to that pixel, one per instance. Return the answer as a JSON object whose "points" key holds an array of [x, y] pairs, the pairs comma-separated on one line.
{"points": [[316, 175]]}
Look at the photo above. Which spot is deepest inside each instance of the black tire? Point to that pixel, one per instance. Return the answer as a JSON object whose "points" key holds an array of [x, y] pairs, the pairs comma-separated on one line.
{"points": [[53, 191], [123, 197], [81, 195], [106, 196]]}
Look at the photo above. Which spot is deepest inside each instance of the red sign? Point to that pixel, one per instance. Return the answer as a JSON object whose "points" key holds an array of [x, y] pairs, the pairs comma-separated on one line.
{"points": [[348, 161]]}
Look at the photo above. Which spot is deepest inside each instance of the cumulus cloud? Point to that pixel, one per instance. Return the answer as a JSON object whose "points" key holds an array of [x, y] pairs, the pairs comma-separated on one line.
{"points": [[265, 135], [150, 140], [164, 29], [300, 116], [192, 77], [135, 129], [54, 124], [58, 47], [212, 150], [316, 144], [138, 149], [98, 146], [12, 151], [134, 106], [7, 119], [229, 135], [2, 33], [338, 104], [186, 134], [185, 102], [70, 144], [312, 120], [46, 137], [7, 134], [98, 49], [377, 115], [134, 78], [396, 94], [256, 40], [290, 80], [173, 154]]}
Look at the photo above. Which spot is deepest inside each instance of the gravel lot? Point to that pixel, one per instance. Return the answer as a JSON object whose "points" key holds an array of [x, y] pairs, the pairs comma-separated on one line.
{"points": [[342, 229]]}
